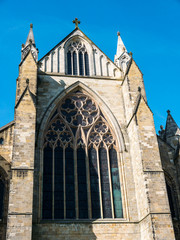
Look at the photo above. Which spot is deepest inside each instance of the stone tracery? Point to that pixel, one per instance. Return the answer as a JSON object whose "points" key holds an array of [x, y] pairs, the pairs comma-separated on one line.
{"points": [[78, 127]]}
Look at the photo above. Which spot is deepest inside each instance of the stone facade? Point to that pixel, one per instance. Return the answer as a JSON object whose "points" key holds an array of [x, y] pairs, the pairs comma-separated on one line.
{"points": [[118, 90]]}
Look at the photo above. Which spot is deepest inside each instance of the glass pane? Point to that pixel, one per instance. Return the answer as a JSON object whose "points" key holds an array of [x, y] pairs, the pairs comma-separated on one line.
{"points": [[47, 183], [74, 63], [118, 213], [69, 68], [94, 181], [86, 64], [81, 67], [58, 184], [106, 199], [82, 183], [70, 189], [1, 198]]}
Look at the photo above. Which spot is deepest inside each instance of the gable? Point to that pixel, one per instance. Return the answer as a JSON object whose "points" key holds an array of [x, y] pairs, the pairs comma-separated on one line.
{"points": [[56, 60]]}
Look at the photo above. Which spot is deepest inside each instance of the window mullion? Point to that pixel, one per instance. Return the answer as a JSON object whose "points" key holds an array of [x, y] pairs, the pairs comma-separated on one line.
{"points": [[64, 179], [53, 177], [99, 175], [88, 184], [110, 182], [76, 184]]}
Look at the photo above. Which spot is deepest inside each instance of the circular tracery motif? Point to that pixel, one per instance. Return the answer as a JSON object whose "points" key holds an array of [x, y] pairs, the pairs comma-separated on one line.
{"points": [[79, 110], [100, 133], [58, 131], [77, 45]]}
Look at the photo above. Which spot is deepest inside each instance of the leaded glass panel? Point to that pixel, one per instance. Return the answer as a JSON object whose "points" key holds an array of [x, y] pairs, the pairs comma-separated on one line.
{"points": [[80, 164]]}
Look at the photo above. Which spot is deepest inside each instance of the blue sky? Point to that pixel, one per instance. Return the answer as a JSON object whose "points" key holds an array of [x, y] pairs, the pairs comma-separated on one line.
{"points": [[149, 29]]}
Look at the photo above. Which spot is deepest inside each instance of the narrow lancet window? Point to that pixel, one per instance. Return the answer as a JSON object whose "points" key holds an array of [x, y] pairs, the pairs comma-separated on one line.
{"points": [[94, 183], [75, 63], [70, 187], [69, 68], [86, 64], [115, 184], [58, 183], [77, 59], [81, 67], [82, 183], [47, 183], [105, 188]]}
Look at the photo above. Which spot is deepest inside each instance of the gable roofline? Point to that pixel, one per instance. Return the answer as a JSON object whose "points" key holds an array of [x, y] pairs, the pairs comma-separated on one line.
{"points": [[77, 29], [7, 125], [132, 60], [22, 95], [27, 55], [138, 100]]}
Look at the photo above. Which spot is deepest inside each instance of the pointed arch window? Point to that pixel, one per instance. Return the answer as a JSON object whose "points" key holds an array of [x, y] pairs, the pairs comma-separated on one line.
{"points": [[77, 59], [80, 164]]}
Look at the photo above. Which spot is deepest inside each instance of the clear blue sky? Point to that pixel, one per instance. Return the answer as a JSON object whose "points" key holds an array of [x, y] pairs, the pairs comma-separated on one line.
{"points": [[149, 29]]}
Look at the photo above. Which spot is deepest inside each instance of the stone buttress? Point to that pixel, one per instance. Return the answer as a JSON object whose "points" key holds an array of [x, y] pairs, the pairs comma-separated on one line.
{"points": [[21, 184]]}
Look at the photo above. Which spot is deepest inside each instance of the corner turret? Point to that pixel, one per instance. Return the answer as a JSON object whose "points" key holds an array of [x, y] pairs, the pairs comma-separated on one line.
{"points": [[122, 58], [29, 46]]}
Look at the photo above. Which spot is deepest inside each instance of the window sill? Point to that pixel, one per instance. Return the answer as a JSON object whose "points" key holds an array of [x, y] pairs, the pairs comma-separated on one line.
{"points": [[86, 221]]}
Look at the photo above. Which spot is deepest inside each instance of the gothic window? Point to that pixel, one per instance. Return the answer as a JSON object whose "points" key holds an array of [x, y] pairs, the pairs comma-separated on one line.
{"points": [[80, 164], [1, 197], [77, 59], [1, 141]]}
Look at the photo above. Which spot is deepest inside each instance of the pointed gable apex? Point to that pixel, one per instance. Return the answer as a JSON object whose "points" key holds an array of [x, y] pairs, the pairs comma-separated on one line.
{"points": [[172, 128], [55, 61]]}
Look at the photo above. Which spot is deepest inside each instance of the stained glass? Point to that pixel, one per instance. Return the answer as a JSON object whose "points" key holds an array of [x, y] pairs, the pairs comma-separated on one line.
{"points": [[105, 188], [70, 188], [115, 184], [47, 183], [69, 67], [94, 181], [58, 184], [81, 68], [78, 124], [75, 63], [86, 64], [82, 183]]}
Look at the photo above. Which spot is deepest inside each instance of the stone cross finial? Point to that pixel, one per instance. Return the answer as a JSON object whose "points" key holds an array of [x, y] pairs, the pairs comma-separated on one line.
{"points": [[118, 33], [76, 22], [31, 25]]}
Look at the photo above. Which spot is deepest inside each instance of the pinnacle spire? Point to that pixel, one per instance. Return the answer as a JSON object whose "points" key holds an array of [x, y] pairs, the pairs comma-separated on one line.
{"points": [[172, 128], [29, 46], [30, 38], [120, 46]]}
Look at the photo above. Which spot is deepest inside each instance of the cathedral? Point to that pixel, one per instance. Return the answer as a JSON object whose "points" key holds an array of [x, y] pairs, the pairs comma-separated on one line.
{"points": [[81, 159]]}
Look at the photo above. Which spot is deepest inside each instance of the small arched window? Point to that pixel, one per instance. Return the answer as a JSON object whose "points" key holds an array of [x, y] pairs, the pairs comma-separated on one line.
{"points": [[1, 141], [80, 164], [77, 59]]}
